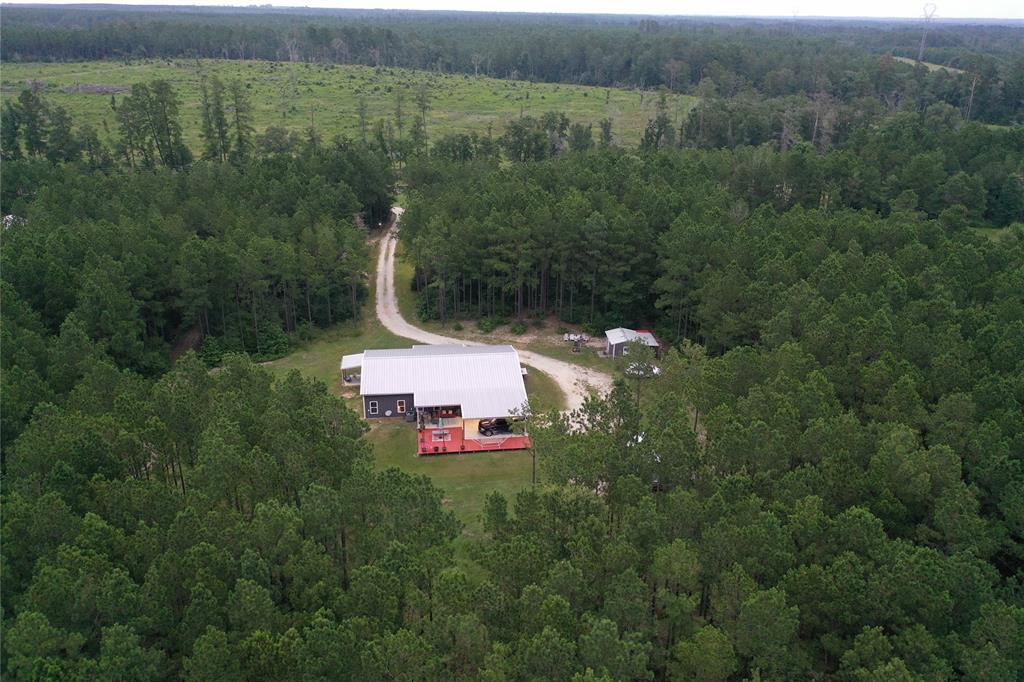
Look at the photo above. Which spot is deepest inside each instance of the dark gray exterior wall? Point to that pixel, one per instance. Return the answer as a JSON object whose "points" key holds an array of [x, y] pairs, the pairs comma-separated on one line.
{"points": [[385, 403], [615, 349]]}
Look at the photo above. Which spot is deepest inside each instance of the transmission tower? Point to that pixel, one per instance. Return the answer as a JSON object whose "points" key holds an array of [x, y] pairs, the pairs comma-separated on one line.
{"points": [[929, 12]]}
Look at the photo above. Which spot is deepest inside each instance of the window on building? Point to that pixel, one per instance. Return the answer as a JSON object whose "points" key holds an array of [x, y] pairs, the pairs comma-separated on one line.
{"points": [[372, 407], [400, 407]]}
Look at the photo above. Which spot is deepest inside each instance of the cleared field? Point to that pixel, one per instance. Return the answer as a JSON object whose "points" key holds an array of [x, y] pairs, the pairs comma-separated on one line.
{"points": [[995, 234], [291, 95], [928, 65]]}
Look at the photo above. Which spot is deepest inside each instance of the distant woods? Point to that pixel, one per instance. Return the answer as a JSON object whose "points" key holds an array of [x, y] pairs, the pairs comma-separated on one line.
{"points": [[845, 61]]}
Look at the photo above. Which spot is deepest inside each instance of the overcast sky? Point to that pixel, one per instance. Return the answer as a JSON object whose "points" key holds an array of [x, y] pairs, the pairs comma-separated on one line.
{"points": [[907, 9]]}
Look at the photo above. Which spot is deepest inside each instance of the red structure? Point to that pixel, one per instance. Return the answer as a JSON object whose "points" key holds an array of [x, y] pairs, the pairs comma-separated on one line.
{"points": [[461, 398], [453, 439]]}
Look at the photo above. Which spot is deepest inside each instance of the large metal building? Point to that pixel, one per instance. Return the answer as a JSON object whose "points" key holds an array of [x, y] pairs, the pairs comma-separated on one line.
{"points": [[448, 390]]}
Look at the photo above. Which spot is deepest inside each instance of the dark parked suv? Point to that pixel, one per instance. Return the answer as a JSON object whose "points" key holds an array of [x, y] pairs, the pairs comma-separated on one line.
{"points": [[494, 427]]}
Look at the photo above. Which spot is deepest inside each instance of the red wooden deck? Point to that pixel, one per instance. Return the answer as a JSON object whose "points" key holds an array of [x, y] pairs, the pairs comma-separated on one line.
{"points": [[451, 439]]}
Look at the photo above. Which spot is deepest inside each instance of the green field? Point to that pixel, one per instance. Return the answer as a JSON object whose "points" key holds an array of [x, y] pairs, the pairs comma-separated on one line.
{"points": [[466, 479], [290, 95], [995, 234], [928, 65]]}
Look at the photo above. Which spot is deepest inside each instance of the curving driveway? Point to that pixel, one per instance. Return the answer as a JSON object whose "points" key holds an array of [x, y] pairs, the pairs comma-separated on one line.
{"points": [[575, 381]]}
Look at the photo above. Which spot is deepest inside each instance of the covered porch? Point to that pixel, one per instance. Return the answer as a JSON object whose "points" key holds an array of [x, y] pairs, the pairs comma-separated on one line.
{"points": [[351, 369], [442, 430], [454, 439]]}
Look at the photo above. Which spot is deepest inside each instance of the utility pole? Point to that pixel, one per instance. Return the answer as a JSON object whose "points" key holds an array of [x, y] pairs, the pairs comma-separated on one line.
{"points": [[929, 12]]}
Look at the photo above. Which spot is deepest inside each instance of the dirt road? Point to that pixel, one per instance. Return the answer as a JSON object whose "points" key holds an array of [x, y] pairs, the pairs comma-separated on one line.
{"points": [[575, 381]]}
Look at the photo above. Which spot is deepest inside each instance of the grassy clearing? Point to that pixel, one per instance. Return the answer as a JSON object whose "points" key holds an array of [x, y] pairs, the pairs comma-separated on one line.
{"points": [[320, 356], [291, 95], [466, 479], [994, 234], [545, 395], [928, 65]]}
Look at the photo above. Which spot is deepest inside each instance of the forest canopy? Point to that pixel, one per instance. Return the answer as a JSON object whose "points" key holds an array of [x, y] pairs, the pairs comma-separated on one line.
{"points": [[824, 479], [844, 59]]}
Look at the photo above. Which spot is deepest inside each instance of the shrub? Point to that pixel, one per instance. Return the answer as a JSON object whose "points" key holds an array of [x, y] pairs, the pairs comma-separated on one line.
{"points": [[457, 326], [487, 324], [274, 343], [212, 350], [518, 327]]}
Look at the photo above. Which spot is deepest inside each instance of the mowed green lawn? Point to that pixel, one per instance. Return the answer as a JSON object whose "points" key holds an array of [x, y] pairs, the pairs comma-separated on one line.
{"points": [[292, 95], [466, 479]]}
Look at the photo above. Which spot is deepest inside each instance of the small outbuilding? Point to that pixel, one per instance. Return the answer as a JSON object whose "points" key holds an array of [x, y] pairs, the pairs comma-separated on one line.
{"points": [[618, 338]]}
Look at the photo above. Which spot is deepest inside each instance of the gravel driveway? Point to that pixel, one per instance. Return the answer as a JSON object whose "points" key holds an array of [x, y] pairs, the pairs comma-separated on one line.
{"points": [[575, 381]]}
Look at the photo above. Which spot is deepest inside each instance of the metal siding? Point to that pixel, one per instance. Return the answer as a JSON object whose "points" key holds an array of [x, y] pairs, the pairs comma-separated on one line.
{"points": [[620, 336], [486, 381], [388, 402], [351, 361]]}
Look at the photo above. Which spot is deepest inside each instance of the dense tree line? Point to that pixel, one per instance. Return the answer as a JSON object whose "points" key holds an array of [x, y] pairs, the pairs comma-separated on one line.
{"points": [[204, 526], [838, 494], [139, 244], [828, 486], [845, 507], [840, 59], [576, 235]]}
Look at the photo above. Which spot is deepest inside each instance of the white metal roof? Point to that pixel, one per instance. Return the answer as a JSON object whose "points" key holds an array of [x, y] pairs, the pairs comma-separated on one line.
{"points": [[352, 361], [486, 381], [623, 335]]}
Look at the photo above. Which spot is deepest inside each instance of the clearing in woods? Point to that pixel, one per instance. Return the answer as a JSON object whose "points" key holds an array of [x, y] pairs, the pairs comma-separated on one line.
{"points": [[290, 95], [929, 65], [465, 479]]}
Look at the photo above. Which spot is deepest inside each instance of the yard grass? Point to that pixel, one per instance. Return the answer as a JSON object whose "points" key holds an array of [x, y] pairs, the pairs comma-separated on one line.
{"points": [[465, 479], [544, 394], [320, 357], [291, 95]]}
